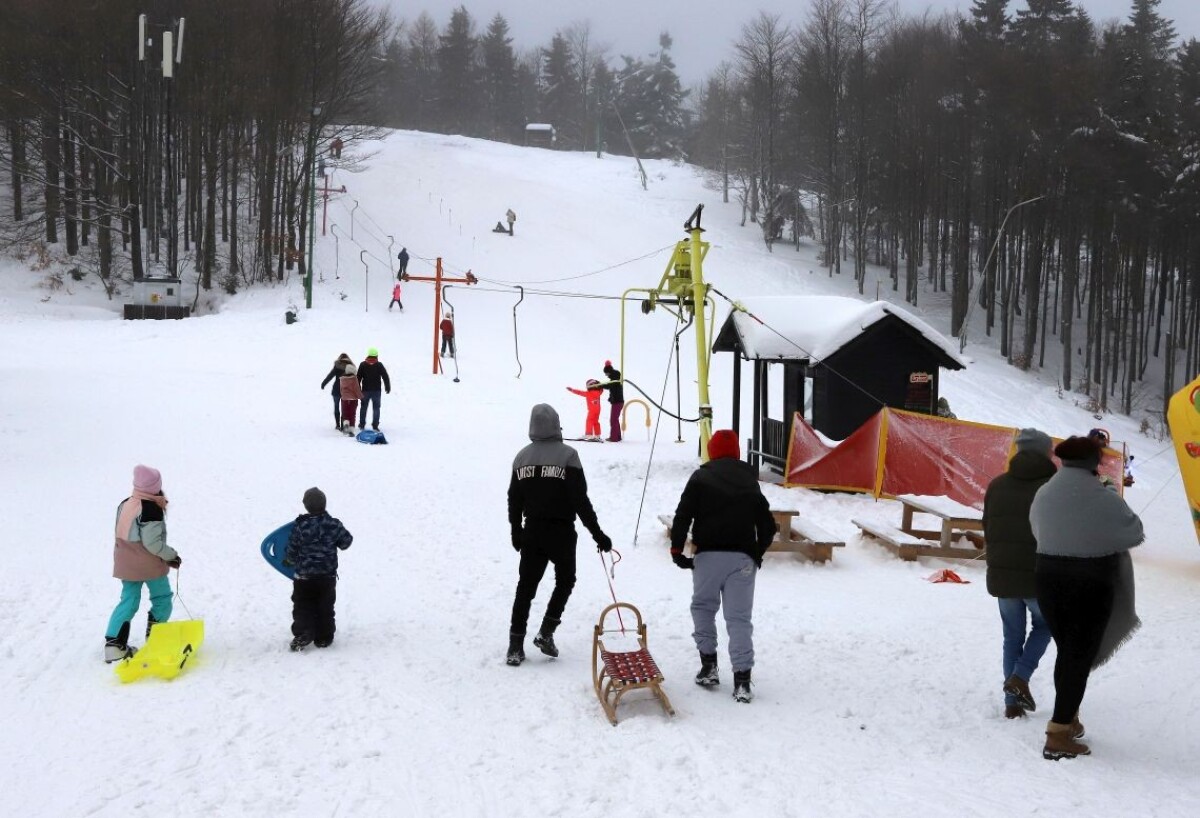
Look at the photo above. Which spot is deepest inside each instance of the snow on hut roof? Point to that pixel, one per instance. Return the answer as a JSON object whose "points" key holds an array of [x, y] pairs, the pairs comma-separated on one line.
{"points": [[539, 126], [816, 326]]}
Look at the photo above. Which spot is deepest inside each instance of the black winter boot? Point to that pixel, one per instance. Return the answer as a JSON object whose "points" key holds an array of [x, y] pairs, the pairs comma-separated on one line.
{"points": [[707, 677], [150, 623], [516, 649], [741, 686], [544, 641], [117, 647]]}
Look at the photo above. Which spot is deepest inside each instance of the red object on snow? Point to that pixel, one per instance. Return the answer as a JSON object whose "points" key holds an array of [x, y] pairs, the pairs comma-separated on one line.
{"points": [[946, 575]]}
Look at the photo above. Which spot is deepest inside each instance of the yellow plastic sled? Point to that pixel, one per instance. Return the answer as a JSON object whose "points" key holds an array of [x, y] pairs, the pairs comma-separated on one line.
{"points": [[170, 646]]}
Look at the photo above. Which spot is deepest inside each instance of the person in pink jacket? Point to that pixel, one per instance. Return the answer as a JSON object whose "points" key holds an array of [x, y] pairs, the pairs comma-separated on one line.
{"points": [[351, 395], [396, 298], [592, 393], [141, 556]]}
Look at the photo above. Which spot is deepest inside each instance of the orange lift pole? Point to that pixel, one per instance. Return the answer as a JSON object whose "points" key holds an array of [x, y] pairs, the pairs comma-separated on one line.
{"points": [[438, 280]]}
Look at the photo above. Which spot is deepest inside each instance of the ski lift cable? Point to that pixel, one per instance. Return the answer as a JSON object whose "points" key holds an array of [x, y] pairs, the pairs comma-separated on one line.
{"points": [[584, 275], [654, 439]]}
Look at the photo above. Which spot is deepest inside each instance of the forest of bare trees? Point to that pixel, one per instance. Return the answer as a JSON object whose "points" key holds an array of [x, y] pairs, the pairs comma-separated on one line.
{"points": [[1039, 169], [1042, 171], [105, 152]]}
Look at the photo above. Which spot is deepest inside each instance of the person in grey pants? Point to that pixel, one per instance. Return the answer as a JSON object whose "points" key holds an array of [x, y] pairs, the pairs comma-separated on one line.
{"points": [[732, 528]]}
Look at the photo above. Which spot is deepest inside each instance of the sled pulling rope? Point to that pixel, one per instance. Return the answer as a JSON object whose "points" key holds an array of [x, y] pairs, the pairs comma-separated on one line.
{"points": [[616, 672]]}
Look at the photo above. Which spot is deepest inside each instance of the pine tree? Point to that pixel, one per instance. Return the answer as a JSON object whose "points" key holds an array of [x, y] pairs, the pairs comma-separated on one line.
{"points": [[560, 90], [458, 79], [499, 82]]}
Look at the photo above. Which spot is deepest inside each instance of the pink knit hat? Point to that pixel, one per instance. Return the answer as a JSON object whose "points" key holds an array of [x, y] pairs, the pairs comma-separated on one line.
{"points": [[146, 479]]}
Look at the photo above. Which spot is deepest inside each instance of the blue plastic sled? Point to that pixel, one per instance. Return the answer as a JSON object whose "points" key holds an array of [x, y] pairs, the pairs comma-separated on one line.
{"points": [[370, 436], [274, 549]]}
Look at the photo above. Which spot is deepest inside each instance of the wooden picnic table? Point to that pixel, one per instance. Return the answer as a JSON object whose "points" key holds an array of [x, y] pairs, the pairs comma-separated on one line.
{"points": [[909, 542], [955, 517]]}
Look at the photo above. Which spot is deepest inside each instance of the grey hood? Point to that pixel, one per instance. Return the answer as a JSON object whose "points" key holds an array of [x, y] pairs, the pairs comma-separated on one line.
{"points": [[544, 423]]}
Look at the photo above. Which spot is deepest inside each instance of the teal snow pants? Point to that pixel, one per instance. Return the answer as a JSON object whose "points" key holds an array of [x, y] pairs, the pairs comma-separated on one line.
{"points": [[131, 597]]}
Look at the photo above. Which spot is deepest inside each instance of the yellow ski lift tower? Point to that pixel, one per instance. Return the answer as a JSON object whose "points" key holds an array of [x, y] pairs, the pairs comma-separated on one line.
{"points": [[683, 293]]}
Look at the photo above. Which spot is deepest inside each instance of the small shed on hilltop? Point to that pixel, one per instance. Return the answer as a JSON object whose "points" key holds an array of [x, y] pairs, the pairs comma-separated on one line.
{"points": [[540, 135], [842, 359]]}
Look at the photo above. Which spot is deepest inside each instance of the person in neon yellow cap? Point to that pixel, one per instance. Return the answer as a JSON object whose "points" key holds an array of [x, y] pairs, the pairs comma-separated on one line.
{"points": [[373, 378]]}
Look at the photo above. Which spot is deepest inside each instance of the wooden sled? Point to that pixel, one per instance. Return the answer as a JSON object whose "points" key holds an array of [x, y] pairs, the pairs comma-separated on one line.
{"points": [[616, 673]]}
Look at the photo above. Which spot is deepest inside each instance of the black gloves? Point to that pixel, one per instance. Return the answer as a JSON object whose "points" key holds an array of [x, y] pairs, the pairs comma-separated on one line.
{"points": [[516, 540], [175, 563], [603, 543], [679, 559]]}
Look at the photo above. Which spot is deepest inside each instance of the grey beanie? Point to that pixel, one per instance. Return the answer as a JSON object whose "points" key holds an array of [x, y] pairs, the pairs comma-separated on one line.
{"points": [[1034, 440], [314, 501]]}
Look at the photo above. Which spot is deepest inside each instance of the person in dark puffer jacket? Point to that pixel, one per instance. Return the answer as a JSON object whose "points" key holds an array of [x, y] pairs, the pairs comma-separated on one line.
{"points": [[312, 553], [1011, 559], [339, 369], [732, 528], [546, 491]]}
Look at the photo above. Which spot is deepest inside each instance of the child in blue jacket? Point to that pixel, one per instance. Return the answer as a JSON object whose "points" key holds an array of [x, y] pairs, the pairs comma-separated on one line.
{"points": [[312, 552]]}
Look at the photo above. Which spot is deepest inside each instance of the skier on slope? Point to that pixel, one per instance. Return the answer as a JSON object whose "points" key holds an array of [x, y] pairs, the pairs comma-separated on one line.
{"points": [[592, 393], [616, 400], [545, 493]]}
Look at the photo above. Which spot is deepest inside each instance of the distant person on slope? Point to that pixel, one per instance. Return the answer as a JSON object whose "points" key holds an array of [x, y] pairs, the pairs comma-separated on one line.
{"points": [[616, 400], [372, 377], [512, 218], [1084, 580], [396, 298], [335, 375], [402, 257], [141, 556], [351, 395], [447, 328], [732, 528], [1011, 560], [593, 392], [546, 491], [312, 552]]}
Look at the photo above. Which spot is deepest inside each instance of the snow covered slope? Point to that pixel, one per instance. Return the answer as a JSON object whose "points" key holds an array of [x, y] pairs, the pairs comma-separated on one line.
{"points": [[877, 693]]}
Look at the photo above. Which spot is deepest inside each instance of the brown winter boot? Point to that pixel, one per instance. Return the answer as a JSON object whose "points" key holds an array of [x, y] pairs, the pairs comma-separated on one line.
{"points": [[1014, 711], [1016, 686], [1077, 730], [1060, 742]]}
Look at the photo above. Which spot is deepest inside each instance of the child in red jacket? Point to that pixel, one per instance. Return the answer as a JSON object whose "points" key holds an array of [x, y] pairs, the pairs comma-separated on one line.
{"points": [[592, 394]]}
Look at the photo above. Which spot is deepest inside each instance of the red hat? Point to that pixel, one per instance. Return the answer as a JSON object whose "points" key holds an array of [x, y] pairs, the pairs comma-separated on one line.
{"points": [[724, 444], [608, 364]]}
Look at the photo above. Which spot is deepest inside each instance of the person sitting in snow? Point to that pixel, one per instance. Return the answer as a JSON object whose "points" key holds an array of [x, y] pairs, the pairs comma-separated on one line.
{"points": [[351, 395], [943, 409], [312, 552], [335, 375], [592, 393], [141, 556]]}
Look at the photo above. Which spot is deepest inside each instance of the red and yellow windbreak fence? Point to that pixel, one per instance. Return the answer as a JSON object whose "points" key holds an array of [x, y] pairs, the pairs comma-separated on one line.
{"points": [[1183, 416], [898, 452]]}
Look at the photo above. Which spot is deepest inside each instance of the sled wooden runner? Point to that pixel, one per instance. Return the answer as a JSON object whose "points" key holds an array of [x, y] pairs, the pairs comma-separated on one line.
{"points": [[615, 673]]}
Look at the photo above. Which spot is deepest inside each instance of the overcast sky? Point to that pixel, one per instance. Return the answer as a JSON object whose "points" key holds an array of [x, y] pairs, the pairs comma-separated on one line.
{"points": [[702, 30]]}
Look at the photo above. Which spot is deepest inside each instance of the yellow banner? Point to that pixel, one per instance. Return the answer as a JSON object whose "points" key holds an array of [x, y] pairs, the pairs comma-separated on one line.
{"points": [[1183, 416]]}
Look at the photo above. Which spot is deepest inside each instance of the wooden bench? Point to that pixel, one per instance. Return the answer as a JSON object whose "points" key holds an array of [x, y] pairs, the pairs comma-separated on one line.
{"points": [[801, 537], [804, 538], [904, 545], [956, 519]]}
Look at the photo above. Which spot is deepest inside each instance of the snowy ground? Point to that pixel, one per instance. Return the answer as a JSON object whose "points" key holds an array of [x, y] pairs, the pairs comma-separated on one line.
{"points": [[877, 692]]}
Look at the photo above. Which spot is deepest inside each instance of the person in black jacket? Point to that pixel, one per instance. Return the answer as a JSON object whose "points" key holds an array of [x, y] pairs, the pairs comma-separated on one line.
{"points": [[312, 549], [1011, 560], [339, 369], [616, 400], [371, 376], [546, 491], [732, 528]]}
